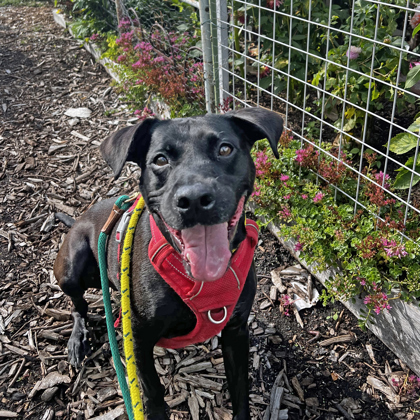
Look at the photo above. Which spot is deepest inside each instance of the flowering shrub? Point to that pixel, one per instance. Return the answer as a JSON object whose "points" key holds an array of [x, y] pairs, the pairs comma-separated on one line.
{"points": [[373, 260], [161, 65]]}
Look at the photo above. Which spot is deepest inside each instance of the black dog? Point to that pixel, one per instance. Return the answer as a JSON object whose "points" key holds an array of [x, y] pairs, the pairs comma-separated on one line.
{"points": [[196, 174]]}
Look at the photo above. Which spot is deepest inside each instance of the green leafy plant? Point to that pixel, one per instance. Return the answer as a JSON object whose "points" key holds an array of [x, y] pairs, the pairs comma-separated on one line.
{"points": [[263, 22], [372, 260], [413, 76], [358, 89], [403, 143], [93, 16]]}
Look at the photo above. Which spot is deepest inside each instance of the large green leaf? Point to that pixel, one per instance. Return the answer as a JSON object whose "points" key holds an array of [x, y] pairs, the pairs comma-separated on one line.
{"points": [[416, 29], [349, 125], [265, 82], [409, 163], [402, 143], [403, 179], [413, 77], [415, 127]]}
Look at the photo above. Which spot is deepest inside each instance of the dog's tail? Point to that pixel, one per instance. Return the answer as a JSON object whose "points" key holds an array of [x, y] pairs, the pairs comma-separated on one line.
{"points": [[67, 220]]}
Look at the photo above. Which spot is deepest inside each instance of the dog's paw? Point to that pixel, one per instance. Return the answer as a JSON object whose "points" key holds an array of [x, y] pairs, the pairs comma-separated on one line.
{"points": [[78, 345]]}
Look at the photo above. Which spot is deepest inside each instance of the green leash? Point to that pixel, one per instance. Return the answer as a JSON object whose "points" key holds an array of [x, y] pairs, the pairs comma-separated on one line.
{"points": [[121, 204]]}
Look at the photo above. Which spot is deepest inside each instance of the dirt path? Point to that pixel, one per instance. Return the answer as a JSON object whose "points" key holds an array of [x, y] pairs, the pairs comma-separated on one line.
{"points": [[49, 161]]}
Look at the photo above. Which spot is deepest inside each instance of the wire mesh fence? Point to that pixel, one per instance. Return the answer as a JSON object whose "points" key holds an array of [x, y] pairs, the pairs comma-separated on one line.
{"points": [[343, 74]]}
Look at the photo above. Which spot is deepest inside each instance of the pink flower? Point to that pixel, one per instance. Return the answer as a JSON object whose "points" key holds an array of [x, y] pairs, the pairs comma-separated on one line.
{"points": [[284, 213], [362, 281], [287, 197], [241, 17], [287, 302], [318, 197], [392, 249], [304, 196], [415, 19], [125, 23], [264, 72], [256, 192], [414, 63], [284, 177], [298, 247], [303, 155], [353, 52], [379, 301], [300, 155], [380, 179], [270, 3], [144, 113], [261, 164]]}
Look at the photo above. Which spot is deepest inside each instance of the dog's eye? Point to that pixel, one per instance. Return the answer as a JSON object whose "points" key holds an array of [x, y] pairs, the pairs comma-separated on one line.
{"points": [[160, 160], [225, 150]]}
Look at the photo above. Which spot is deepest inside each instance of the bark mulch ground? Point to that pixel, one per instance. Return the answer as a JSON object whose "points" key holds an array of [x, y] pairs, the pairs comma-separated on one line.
{"points": [[49, 161]]}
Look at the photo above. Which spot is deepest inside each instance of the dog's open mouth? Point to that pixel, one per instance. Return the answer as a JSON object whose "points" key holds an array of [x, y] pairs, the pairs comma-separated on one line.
{"points": [[206, 249]]}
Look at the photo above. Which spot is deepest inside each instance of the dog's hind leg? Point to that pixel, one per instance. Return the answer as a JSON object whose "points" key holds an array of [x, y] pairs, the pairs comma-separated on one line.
{"points": [[75, 270]]}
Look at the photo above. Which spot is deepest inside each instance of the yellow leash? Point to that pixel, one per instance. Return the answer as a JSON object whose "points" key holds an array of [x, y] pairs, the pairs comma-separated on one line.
{"points": [[130, 360]]}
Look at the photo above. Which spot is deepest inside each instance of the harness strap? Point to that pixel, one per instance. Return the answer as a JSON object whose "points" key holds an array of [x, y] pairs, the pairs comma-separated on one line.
{"points": [[113, 218]]}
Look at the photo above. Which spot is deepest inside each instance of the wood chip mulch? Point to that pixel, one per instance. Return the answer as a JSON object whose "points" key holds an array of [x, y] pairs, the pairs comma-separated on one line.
{"points": [[56, 106]]}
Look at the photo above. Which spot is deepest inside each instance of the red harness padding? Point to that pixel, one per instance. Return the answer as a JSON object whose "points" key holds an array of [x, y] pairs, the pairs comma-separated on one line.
{"points": [[211, 302]]}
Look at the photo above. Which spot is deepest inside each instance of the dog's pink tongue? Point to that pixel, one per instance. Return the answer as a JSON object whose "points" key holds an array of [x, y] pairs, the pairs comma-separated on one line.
{"points": [[207, 249]]}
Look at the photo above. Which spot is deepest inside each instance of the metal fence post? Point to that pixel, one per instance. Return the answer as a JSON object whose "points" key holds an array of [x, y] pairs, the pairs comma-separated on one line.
{"points": [[215, 52], [223, 40], [207, 54]]}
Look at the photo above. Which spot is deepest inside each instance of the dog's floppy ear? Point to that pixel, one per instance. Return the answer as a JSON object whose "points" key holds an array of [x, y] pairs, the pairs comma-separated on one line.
{"points": [[130, 143], [259, 123]]}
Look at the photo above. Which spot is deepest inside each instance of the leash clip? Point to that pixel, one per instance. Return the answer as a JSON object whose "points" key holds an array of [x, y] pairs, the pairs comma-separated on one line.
{"points": [[122, 226], [132, 197]]}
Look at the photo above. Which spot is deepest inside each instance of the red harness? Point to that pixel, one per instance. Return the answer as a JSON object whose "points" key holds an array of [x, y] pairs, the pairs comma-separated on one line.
{"points": [[212, 302]]}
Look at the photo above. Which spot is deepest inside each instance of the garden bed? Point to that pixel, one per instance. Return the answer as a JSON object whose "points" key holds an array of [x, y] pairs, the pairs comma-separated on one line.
{"points": [[398, 329]]}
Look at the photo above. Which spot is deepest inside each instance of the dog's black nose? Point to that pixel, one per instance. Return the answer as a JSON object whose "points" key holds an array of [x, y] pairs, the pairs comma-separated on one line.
{"points": [[194, 197]]}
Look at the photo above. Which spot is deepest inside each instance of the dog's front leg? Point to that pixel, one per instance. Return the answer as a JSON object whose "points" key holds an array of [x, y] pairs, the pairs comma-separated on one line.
{"points": [[153, 391], [235, 347]]}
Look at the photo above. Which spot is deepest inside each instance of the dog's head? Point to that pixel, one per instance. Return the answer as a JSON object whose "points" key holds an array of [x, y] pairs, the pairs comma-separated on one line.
{"points": [[196, 176]]}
